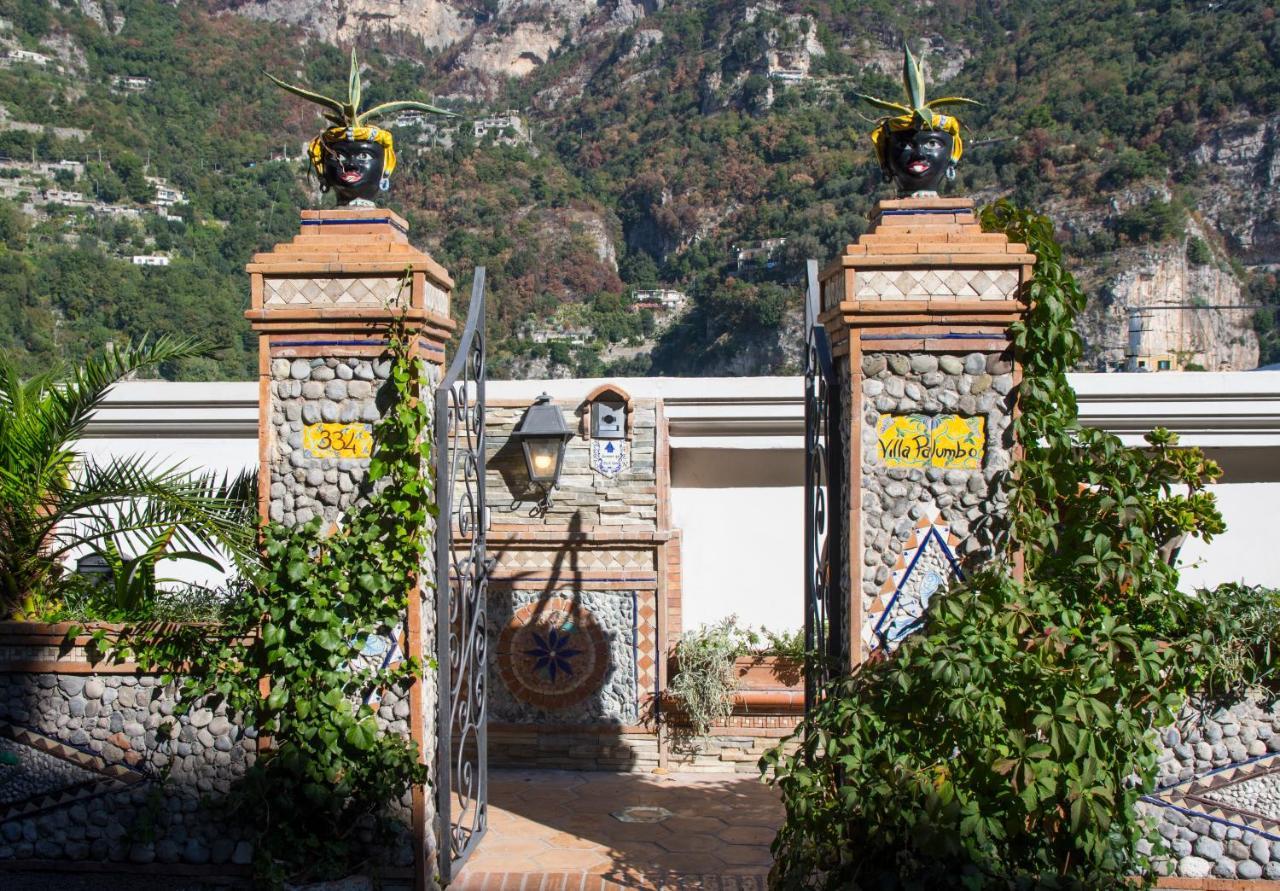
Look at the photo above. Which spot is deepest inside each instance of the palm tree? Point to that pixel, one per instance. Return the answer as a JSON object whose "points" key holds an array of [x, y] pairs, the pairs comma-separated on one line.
{"points": [[54, 502]]}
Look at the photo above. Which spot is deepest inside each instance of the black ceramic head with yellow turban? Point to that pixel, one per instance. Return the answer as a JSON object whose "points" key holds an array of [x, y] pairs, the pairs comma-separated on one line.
{"points": [[917, 146], [352, 158]]}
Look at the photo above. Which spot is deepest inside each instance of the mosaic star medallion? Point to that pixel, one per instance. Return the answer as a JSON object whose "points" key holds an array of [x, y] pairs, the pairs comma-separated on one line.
{"points": [[927, 565], [553, 654]]}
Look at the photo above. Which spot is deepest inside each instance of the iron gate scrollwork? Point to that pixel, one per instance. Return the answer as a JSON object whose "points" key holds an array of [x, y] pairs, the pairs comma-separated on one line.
{"points": [[462, 581], [826, 627]]}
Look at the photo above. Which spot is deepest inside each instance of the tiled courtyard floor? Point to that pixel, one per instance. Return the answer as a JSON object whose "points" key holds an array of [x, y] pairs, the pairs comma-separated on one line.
{"points": [[554, 831]]}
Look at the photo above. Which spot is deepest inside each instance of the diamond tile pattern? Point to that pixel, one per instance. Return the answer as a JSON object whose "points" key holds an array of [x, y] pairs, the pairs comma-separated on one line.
{"points": [[371, 292], [582, 559], [646, 642], [931, 284]]}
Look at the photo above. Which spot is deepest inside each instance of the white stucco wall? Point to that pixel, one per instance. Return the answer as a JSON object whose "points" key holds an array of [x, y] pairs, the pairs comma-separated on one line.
{"points": [[737, 466], [741, 517], [1249, 551]]}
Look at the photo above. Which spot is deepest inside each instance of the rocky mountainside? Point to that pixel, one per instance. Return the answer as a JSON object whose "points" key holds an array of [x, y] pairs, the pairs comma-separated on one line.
{"points": [[613, 149], [1187, 306]]}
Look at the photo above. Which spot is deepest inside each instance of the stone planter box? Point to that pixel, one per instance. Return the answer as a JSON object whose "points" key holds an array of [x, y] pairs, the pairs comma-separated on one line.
{"points": [[769, 685]]}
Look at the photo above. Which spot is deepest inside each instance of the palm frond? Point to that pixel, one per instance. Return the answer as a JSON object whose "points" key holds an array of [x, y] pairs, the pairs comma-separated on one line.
{"points": [[885, 104], [333, 104], [389, 107]]}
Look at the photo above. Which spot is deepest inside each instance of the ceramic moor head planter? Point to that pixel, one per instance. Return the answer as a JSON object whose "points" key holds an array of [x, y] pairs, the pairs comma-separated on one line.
{"points": [[917, 147], [352, 158]]}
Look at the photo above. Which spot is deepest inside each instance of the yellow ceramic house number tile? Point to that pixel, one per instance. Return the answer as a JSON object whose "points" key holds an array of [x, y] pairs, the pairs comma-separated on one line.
{"points": [[337, 440]]}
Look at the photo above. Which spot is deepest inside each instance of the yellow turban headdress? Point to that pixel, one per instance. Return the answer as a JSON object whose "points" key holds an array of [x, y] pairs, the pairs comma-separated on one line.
{"points": [[944, 122], [362, 134], [917, 113]]}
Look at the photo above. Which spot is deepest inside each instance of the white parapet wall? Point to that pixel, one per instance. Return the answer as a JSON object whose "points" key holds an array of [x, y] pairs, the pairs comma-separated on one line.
{"points": [[737, 465]]}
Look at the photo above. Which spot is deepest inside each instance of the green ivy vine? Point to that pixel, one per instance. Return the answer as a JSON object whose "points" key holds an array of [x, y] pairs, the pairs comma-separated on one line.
{"points": [[1007, 743], [320, 800]]}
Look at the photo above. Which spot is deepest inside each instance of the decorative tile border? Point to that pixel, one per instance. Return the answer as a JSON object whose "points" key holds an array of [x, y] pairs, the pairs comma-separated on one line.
{"points": [[109, 777], [927, 564], [1202, 796]]}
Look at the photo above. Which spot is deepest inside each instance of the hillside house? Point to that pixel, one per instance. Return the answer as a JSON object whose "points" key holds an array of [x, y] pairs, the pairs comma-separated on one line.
{"points": [[64, 196], [500, 127], [758, 254], [132, 83], [149, 260], [28, 57], [166, 194], [661, 300]]}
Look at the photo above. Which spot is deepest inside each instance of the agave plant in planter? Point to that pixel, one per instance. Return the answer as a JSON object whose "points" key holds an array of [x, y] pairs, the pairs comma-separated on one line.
{"points": [[917, 146], [353, 158]]}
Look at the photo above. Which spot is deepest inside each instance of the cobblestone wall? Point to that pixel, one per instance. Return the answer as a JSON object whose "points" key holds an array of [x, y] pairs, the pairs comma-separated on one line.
{"points": [[313, 391], [1217, 802], [99, 768], [898, 502]]}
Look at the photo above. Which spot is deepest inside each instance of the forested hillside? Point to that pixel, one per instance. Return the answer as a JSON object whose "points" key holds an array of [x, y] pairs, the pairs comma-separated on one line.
{"points": [[653, 145]]}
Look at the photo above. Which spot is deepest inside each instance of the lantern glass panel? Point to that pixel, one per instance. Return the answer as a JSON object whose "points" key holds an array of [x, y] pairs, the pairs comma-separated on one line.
{"points": [[542, 455]]}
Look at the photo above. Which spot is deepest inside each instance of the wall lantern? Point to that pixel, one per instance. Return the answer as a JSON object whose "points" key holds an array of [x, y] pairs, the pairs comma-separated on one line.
{"points": [[95, 568], [543, 434]]}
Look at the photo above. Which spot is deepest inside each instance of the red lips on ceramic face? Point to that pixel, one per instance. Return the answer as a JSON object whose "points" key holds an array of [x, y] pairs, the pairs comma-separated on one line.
{"points": [[351, 175], [918, 166]]}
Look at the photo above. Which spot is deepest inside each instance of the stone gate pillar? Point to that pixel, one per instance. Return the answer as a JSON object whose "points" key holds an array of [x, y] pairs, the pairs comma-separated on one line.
{"points": [[918, 313], [320, 305]]}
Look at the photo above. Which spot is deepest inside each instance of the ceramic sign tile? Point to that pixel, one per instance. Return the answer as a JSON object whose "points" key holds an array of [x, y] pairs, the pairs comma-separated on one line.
{"points": [[949, 442], [337, 440]]}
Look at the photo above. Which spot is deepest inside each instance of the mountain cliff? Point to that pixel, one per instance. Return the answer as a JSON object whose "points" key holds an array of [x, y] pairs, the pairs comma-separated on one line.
{"points": [[701, 146]]}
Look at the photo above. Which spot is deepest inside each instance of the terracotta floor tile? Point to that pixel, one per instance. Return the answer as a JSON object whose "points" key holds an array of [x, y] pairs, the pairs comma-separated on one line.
{"points": [[571, 841], [552, 831], [685, 825], [689, 841], [564, 860], [748, 835], [744, 855]]}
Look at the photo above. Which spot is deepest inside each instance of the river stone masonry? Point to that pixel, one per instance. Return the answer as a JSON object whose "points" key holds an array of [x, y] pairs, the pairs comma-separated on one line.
{"points": [[918, 314], [894, 499], [1217, 801], [101, 768], [313, 391]]}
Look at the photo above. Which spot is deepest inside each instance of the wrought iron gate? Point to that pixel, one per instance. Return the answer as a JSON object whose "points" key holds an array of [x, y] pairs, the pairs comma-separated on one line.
{"points": [[462, 581], [826, 626]]}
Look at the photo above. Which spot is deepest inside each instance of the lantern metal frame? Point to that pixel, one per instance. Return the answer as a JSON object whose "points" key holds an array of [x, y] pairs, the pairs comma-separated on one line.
{"points": [[543, 424]]}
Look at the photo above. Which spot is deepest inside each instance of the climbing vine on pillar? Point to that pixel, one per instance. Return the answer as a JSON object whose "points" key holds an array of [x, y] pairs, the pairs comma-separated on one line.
{"points": [[1006, 744], [319, 800]]}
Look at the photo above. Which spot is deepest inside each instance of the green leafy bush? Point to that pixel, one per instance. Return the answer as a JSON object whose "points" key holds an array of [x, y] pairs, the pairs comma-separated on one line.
{"points": [[1006, 744], [1198, 252], [319, 802]]}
